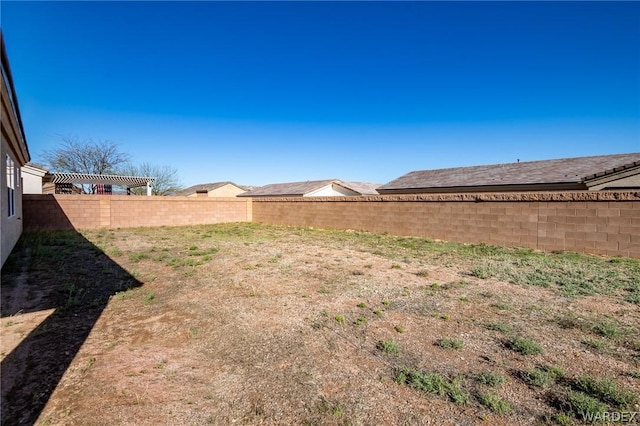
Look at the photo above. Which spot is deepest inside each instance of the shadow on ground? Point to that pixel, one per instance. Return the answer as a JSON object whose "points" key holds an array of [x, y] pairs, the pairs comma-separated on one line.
{"points": [[63, 272]]}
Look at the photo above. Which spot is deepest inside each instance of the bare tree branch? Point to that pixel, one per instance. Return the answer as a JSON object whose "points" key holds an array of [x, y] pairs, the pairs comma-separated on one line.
{"points": [[75, 155], [166, 178]]}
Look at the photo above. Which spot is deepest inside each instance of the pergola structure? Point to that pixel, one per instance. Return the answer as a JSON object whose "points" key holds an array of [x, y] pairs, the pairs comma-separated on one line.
{"points": [[91, 179]]}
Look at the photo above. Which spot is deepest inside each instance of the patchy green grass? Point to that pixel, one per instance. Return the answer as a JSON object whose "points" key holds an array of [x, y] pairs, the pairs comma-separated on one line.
{"points": [[606, 390], [596, 345], [498, 326], [541, 377], [148, 297], [137, 257], [432, 383], [490, 378], [360, 321], [114, 251], [388, 346], [502, 306], [496, 404], [587, 398], [582, 405], [571, 274], [524, 345], [608, 328], [450, 343]]}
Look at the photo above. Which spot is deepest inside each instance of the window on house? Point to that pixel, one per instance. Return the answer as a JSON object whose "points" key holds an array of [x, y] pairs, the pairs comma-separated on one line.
{"points": [[11, 187]]}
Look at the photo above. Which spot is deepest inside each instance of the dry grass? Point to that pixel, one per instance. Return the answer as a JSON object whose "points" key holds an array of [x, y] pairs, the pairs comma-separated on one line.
{"points": [[255, 324]]}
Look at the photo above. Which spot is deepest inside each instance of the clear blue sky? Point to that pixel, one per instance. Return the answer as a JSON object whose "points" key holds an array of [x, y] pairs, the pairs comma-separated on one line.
{"points": [[268, 92]]}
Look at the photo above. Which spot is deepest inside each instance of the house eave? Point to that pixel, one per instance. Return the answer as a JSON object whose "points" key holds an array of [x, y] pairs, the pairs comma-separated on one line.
{"points": [[270, 195], [600, 180], [563, 186], [21, 148]]}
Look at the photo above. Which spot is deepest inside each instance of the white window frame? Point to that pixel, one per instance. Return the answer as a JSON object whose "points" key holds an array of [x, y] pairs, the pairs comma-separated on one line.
{"points": [[11, 186]]}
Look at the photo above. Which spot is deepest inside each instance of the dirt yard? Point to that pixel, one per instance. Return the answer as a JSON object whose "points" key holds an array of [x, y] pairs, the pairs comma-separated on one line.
{"points": [[256, 324]]}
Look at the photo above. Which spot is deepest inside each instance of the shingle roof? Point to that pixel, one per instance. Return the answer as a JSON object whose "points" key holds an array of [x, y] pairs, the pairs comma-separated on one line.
{"points": [[363, 188], [37, 166], [299, 189], [288, 189], [204, 187], [558, 171]]}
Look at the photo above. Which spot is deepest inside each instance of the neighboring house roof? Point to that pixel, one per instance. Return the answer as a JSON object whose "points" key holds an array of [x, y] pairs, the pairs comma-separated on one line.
{"points": [[300, 189], [364, 188], [37, 166], [564, 173], [288, 189], [204, 187], [36, 170]]}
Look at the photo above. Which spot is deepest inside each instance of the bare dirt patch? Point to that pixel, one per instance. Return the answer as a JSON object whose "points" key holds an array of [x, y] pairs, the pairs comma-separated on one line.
{"points": [[253, 324]]}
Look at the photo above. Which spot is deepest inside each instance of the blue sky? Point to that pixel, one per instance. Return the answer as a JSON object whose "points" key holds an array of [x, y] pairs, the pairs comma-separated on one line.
{"points": [[266, 92]]}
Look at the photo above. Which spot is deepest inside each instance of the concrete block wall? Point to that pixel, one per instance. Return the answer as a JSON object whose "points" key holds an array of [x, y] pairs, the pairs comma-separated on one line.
{"points": [[594, 222], [121, 211], [600, 222]]}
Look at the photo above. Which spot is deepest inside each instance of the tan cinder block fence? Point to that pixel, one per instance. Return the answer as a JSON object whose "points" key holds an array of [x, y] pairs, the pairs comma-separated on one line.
{"points": [[597, 222], [593, 222], [121, 211]]}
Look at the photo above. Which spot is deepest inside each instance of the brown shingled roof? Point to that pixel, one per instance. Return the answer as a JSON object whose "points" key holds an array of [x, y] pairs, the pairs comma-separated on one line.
{"points": [[300, 189], [364, 188], [289, 189], [560, 172], [37, 166]]}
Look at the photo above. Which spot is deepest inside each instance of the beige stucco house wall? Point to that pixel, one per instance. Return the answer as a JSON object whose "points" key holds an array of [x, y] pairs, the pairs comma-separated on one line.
{"points": [[217, 189], [13, 155], [331, 190], [11, 222], [228, 190], [32, 177]]}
